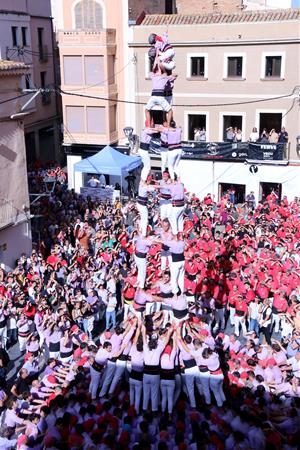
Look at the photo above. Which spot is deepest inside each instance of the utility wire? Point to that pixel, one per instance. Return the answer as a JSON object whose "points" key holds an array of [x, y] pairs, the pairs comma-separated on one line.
{"points": [[15, 98], [74, 94]]}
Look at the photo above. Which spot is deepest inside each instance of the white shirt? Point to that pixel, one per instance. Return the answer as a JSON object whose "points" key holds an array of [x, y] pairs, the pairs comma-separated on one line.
{"points": [[111, 305], [93, 182], [12, 419], [295, 366], [254, 310]]}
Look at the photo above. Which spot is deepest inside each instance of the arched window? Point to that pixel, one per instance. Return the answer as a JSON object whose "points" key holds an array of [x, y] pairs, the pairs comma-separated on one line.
{"points": [[88, 15]]}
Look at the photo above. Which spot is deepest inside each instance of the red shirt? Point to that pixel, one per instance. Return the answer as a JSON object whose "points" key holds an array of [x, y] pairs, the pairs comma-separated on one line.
{"points": [[240, 307]]}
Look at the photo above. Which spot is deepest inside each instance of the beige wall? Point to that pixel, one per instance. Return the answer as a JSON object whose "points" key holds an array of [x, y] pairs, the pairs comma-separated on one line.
{"points": [[207, 6], [108, 41], [252, 41], [15, 234]]}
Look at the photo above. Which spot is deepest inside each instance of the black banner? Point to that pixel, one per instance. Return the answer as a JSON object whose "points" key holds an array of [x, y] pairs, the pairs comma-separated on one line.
{"points": [[230, 151], [266, 152]]}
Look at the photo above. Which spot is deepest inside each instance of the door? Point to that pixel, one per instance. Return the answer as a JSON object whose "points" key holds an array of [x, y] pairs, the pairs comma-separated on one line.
{"points": [[267, 188], [195, 121], [236, 192], [231, 121]]}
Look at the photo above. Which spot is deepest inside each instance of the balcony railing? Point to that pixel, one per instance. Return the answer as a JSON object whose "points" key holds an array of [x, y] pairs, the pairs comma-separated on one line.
{"points": [[230, 151], [86, 37]]}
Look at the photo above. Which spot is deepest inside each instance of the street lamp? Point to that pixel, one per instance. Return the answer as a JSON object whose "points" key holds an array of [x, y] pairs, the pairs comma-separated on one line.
{"points": [[128, 131]]}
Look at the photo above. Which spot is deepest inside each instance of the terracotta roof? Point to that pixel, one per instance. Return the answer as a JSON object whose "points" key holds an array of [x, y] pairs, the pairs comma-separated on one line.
{"points": [[276, 15], [12, 65]]}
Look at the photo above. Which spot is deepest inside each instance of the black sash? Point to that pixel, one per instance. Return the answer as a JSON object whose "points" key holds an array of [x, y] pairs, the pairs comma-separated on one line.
{"points": [[54, 346], [66, 355], [180, 314], [151, 370], [141, 255], [174, 146], [189, 363], [178, 203], [144, 146], [167, 374], [136, 375], [158, 93], [97, 367], [177, 257], [142, 200]]}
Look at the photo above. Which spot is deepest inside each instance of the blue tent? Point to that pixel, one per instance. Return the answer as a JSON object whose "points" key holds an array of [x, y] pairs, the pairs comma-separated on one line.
{"points": [[109, 162]]}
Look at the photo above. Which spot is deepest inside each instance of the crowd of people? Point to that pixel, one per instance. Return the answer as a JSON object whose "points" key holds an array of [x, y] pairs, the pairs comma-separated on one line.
{"points": [[118, 358], [167, 322]]}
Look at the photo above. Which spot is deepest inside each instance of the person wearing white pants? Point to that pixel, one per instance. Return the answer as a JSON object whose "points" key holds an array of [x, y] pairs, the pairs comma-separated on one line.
{"points": [[142, 246], [216, 375], [191, 370], [165, 203], [145, 139], [241, 310], [151, 378], [142, 204], [167, 377], [176, 220], [95, 373], [177, 265], [174, 150], [136, 374], [23, 331], [165, 235]]}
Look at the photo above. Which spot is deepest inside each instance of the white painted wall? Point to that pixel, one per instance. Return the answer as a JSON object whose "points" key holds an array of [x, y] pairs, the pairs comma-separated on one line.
{"points": [[17, 240], [75, 180], [201, 177]]}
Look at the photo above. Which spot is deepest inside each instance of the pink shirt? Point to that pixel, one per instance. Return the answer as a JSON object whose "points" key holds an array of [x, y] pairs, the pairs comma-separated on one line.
{"points": [[152, 357], [102, 356], [167, 361], [137, 358]]}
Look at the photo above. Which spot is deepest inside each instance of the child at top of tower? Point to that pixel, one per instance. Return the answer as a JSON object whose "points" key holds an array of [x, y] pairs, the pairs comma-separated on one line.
{"points": [[161, 53]]}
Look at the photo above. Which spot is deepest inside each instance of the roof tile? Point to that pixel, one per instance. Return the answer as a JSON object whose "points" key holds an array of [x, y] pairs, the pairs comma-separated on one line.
{"points": [[212, 18]]}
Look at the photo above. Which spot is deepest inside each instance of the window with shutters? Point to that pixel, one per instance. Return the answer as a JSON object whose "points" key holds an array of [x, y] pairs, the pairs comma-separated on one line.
{"points": [[73, 70], [94, 70], [88, 15], [197, 66], [234, 66], [273, 66], [75, 119], [96, 123]]}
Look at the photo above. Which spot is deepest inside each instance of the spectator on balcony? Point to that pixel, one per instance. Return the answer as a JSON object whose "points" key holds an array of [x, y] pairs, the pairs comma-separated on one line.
{"points": [[264, 137], [230, 134], [273, 136], [197, 134], [254, 135], [283, 136], [202, 135], [238, 135]]}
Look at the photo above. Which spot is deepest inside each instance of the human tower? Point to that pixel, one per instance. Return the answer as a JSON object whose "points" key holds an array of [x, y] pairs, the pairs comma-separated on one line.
{"points": [[170, 188]]}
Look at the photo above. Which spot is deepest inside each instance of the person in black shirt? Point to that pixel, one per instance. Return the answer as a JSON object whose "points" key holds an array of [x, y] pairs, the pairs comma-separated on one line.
{"points": [[21, 385]]}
